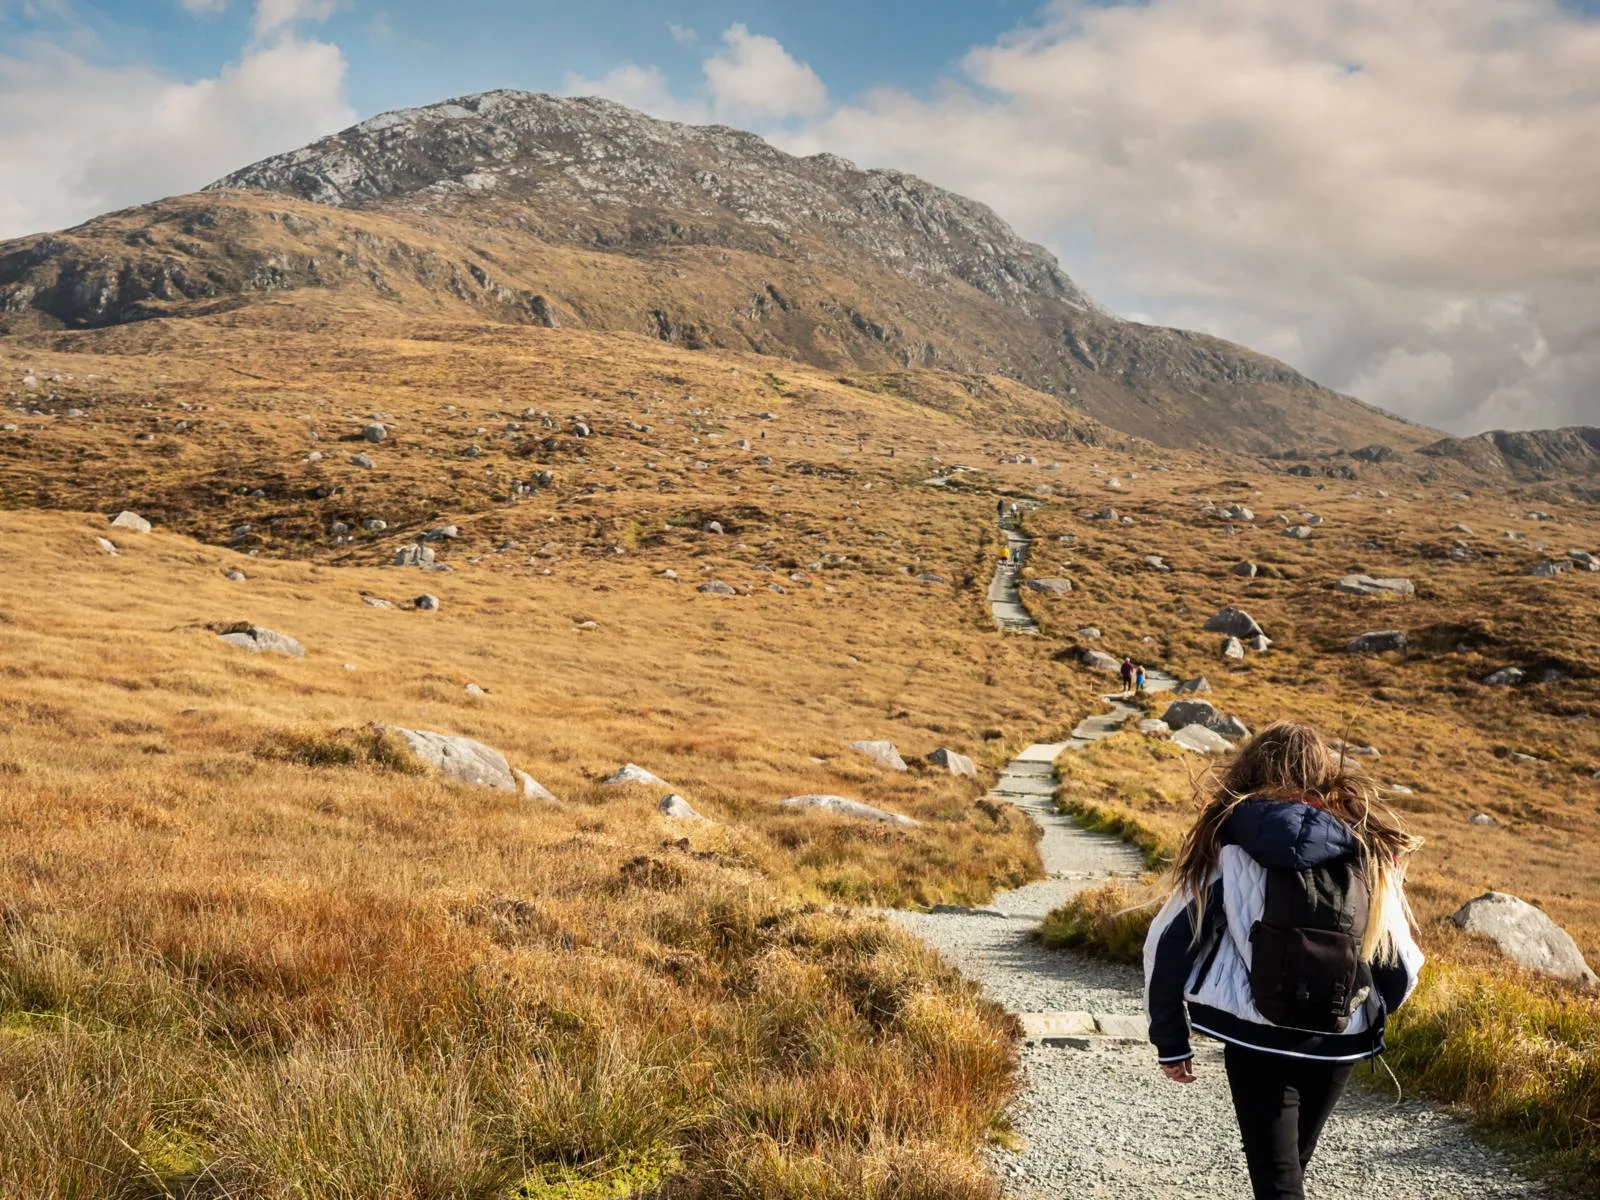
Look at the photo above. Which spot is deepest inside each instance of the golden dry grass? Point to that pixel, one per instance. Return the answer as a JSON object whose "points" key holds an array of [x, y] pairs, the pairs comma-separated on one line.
{"points": [[283, 963]]}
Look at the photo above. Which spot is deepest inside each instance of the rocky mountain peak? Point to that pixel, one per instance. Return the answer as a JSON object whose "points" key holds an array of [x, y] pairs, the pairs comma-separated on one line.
{"points": [[602, 165]]}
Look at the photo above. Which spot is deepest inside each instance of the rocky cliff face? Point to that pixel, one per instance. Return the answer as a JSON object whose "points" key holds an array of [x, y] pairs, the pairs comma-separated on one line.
{"points": [[594, 171], [1525, 457]]}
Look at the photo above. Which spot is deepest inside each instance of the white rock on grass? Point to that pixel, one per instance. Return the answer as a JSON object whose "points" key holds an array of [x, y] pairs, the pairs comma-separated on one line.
{"points": [[1366, 585], [261, 641], [677, 808], [1548, 570], [1583, 560], [1153, 728], [1505, 677], [956, 764], [1201, 740], [1233, 648], [107, 546], [532, 789], [1056, 586], [1233, 621], [1099, 660], [630, 773], [1526, 936], [413, 556], [1298, 532], [1245, 570], [131, 521], [460, 758], [840, 806], [882, 753], [1156, 562], [1198, 685]]}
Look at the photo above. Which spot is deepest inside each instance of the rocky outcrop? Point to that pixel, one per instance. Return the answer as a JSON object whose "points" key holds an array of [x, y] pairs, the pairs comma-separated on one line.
{"points": [[460, 758], [1526, 936], [840, 806], [1525, 457]]}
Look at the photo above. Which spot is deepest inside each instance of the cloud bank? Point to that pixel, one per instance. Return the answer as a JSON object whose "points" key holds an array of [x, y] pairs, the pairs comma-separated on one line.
{"points": [[80, 137], [1402, 199]]}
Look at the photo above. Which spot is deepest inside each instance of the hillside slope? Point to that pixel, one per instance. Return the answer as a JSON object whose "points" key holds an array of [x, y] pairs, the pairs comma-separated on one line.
{"points": [[581, 213]]}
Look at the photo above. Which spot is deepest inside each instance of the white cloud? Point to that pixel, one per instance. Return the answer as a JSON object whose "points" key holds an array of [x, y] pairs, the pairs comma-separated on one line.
{"points": [[1402, 198], [204, 8], [755, 78], [85, 137], [682, 34], [275, 15], [644, 88]]}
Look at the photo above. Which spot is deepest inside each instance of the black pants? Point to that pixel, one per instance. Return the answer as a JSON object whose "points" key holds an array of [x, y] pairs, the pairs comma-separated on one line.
{"points": [[1282, 1104]]}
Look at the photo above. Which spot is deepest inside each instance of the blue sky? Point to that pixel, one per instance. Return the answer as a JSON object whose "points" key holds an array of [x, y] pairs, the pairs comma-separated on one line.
{"points": [[1422, 230]]}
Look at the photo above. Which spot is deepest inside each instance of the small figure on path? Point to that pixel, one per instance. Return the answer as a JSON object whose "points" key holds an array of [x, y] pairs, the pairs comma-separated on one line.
{"points": [[1138, 680], [1287, 936], [1000, 512], [1127, 676]]}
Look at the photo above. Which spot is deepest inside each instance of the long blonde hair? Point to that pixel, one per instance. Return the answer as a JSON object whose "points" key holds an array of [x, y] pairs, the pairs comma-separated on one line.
{"points": [[1290, 761]]}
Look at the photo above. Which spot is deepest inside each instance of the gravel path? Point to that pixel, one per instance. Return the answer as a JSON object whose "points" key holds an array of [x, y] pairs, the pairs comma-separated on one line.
{"points": [[1102, 1121]]}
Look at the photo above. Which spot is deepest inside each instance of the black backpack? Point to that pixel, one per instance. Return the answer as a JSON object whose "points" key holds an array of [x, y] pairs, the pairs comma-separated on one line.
{"points": [[1306, 969]]}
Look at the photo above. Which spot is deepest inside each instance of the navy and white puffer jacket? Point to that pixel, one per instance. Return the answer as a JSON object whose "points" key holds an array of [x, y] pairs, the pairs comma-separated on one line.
{"points": [[1209, 976]]}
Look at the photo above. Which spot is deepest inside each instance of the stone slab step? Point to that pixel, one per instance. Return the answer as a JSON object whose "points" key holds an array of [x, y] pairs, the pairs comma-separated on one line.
{"points": [[1078, 1030]]}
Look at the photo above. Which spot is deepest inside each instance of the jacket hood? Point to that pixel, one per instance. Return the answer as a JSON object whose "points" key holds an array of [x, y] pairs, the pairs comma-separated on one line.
{"points": [[1288, 834]]}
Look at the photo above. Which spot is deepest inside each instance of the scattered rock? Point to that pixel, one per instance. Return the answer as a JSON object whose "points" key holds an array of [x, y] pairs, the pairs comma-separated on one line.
{"points": [[235, 576], [1150, 727], [473, 689], [1505, 677], [882, 753], [532, 789], [1378, 642], [1196, 686], [717, 588], [1088, 631], [956, 764], [1583, 560], [1245, 570], [375, 433], [1526, 936], [1182, 714], [1547, 570], [678, 809], [1201, 740], [1235, 622], [850, 808], [1460, 529], [1366, 585], [261, 641], [460, 758], [1099, 660], [444, 533], [1261, 643], [413, 555], [130, 521], [712, 527], [361, 460], [1055, 586], [426, 603], [1233, 648], [630, 773], [107, 545], [1156, 563], [1481, 819], [1299, 532]]}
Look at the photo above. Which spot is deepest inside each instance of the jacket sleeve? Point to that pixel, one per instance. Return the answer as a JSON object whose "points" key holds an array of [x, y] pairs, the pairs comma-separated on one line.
{"points": [[1170, 953], [1395, 981]]}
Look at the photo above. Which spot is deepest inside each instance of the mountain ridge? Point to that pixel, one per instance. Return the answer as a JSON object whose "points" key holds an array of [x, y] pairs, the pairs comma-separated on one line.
{"points": [[547, 211]]}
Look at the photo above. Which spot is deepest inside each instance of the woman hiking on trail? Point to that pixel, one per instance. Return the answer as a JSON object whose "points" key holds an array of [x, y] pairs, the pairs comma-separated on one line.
{"points": [[1287, 937]]}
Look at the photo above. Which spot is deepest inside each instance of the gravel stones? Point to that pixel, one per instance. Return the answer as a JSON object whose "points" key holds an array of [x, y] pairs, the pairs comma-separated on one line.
{"points": [[882, 753], [1233, 621], [131, 521], [460, 758], [261, 641], [1526, 936], [1366, 585], [840, 806], [955, 764], [1377, 642]]}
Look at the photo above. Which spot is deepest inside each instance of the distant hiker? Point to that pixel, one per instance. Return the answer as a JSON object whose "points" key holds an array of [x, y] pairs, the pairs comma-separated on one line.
{"points": [[1127, 675], [1138, 680], [1287, 937], [1000, 511]]}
